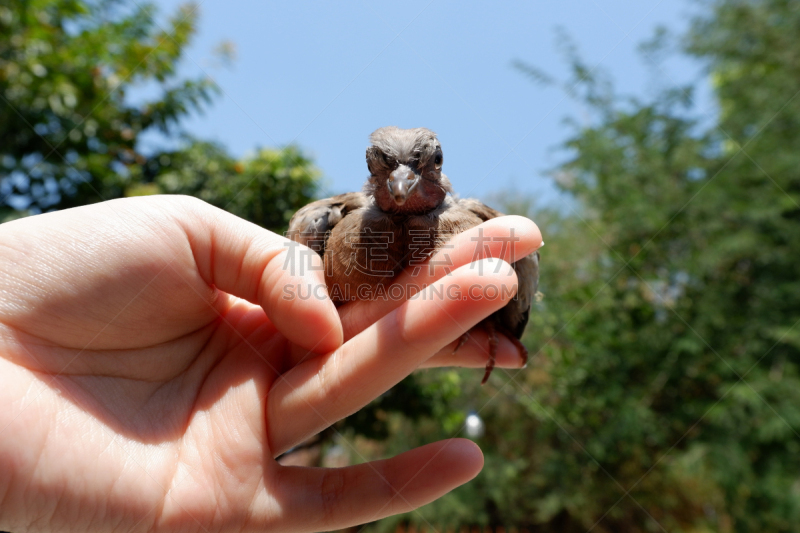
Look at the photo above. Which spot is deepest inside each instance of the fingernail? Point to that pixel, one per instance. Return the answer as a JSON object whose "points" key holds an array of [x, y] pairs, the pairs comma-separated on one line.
{"points": [[541, 244]]}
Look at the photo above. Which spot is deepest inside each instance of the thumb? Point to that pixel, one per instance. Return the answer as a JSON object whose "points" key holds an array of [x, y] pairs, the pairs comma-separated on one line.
{"points": [[285, 278]]}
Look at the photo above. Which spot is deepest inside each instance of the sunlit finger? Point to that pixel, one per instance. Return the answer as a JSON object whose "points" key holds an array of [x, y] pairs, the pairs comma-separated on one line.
{"points": [[323, 390], [344, 497]]}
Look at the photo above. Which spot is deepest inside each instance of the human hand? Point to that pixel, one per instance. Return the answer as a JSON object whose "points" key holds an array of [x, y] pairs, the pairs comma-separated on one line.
{"points": [[151, 370]]}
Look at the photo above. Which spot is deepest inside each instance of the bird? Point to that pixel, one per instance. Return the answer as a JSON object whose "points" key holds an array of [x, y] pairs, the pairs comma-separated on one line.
{"points": [[406, 211]]}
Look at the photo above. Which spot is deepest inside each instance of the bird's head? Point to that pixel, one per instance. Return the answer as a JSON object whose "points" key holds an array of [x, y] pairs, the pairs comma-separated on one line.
{"points": [[405, 169]]}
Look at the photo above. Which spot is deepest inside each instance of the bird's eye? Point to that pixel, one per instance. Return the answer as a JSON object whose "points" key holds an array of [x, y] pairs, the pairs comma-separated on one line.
{"points": [[386, 159], [437, 161]]}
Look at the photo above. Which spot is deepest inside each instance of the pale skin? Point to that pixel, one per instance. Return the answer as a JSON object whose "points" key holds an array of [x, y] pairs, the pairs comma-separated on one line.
{"points": [[151, 372]]}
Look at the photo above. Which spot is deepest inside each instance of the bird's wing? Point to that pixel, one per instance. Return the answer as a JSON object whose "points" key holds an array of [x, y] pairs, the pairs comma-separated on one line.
{"points": [[311, 225], [514, 316], [483, 211]]}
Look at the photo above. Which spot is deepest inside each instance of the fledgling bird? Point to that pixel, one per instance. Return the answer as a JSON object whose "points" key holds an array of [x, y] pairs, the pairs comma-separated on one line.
{"points": [[404, 215]]}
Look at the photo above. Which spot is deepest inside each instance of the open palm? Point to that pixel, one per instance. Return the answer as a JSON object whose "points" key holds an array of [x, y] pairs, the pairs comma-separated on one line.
{"points": [[152, 367]]}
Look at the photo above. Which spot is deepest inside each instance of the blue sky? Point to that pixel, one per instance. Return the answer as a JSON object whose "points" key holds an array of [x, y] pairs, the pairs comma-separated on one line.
{"points": [[324, 75]]}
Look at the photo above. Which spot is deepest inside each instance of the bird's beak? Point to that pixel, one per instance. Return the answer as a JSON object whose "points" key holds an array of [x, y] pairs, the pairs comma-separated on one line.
{"points": [[401, 182]]}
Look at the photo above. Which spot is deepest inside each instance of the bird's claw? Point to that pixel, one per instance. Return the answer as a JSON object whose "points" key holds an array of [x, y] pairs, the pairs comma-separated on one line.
{"points": [[491, 332], [461, 342], [523, 351]]}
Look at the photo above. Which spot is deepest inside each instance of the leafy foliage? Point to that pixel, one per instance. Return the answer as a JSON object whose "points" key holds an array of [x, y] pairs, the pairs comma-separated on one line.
{"points": [[66, 66], [266, 189], [663, 393], [71, 134]]}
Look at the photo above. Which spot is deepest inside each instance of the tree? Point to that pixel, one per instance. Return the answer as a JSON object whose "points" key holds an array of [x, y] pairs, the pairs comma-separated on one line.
{"points": [[664, 388], [265, 189], [66, 68], [71, 134]]}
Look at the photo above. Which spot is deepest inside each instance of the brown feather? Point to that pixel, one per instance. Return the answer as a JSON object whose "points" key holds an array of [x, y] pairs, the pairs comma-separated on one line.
{"points": [[365, 245]]}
